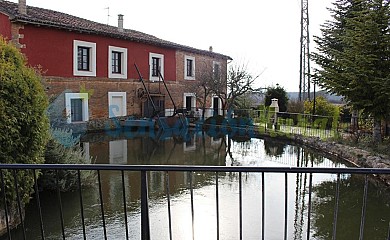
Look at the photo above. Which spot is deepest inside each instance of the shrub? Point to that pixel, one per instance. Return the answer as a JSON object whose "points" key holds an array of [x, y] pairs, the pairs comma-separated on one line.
{"points": [[65, 137], [64, 148], [295, 106], [23, 121], [323, 107]]}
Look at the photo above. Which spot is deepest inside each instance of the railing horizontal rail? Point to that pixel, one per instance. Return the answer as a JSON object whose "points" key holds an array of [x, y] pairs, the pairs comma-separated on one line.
{"points": [[303, 195], [197, 168]]}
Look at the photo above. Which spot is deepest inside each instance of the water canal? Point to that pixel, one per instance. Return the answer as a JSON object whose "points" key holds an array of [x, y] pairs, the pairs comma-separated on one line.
{"points": [[201, 149]]}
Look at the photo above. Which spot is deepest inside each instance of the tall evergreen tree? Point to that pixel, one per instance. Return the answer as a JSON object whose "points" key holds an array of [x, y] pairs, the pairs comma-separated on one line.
{"points": [[279, 93], [353, 56]]}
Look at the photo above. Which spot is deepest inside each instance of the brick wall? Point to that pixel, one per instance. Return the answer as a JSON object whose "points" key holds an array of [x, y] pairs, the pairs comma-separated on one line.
{"points": [[202, 64], [99, 88], [16, 36]]}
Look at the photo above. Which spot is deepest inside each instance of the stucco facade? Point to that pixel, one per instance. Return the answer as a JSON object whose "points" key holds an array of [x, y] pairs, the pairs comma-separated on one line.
{"points": [[91, 66]]}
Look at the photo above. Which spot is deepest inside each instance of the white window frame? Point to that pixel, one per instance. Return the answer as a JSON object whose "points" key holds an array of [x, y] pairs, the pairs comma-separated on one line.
{"points": [[193, 101], [123, 51], [187, 148], [219, 66], [92, 60], [161, 57], [185, 68], [86, 151], [68, 105], [219, 105], [115, 144], [124, 101]]}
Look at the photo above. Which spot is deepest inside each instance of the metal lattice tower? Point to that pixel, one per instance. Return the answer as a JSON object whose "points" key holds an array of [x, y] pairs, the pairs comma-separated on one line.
{"points": [[304, 73]]}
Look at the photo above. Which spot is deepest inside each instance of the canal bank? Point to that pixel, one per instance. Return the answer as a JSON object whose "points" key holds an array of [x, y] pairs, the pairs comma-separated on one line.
{"points": [[356, 156], [353, 155]]}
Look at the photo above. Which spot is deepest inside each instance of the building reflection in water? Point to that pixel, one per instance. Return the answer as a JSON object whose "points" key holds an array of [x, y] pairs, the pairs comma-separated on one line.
{"points": [[197, 148]]}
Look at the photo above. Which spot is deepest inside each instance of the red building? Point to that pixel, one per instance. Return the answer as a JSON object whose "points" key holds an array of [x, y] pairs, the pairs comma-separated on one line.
{"points": [[89, 67]]}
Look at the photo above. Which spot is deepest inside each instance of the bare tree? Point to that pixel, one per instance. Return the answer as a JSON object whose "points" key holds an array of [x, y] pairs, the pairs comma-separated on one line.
{"points": [[205, 78], [203, 87], [234, 84]]}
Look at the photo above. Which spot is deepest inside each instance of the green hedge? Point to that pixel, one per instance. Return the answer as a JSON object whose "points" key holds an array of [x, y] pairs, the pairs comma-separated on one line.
{"points": [[23, 122]]}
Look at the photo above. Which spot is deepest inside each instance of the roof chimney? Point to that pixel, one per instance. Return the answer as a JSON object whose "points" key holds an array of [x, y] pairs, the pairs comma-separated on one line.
{"points": [[120, 22], [22, 7], [211, 48]]}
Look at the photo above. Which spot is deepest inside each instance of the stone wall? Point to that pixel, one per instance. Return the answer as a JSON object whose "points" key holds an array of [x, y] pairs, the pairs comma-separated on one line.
{"points": [[353, 155], [98, 94]]}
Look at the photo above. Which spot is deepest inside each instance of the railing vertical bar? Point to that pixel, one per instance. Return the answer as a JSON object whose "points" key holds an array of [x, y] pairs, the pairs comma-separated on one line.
{"points": [[102, 205], [364, 207], [81, 203], [124, 203], [336, 207], [5, 204], [285, 204], [192, 207], [38, 204], [240, 200], [309, 205], [262, 206], [60, 205], [145, 227], [19, 204], [217, 202], [169, 205], [388, 233]]}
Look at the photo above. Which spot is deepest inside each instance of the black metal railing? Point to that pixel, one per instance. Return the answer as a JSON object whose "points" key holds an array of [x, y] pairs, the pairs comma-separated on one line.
{"points": [[308, 124], [165, 169]]}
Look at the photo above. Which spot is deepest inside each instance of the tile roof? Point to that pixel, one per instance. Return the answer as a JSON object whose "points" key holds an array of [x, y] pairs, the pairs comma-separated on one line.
{"points": [[50, 18]]}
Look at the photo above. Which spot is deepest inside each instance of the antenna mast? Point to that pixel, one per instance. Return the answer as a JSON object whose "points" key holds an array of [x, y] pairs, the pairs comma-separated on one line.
{"points": [[304, 73], [108, 15]]}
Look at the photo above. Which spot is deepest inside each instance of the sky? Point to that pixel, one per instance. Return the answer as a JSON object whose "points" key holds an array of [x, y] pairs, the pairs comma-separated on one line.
{"points": [[264, 35]]}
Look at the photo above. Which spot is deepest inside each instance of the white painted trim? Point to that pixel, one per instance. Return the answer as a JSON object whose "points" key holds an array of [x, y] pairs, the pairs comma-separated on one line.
{"points": [[192, 147], [117, 94], [193, 99], [220, 70], [156, 55], [185, 68], [169, 111], [122, 75], [118, 145], [92, 60], [219, 105], [86, 152], [68, 107]]}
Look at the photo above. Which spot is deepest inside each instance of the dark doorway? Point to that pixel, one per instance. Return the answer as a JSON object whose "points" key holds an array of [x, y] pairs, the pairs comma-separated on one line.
{"points": [[215, 106], [159, 103], [188, 103]]}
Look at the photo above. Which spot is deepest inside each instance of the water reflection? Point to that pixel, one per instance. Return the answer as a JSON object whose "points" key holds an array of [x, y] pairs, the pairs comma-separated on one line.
{"points": [[198, 148], [350, 209], [274, 148], [118, 152]]}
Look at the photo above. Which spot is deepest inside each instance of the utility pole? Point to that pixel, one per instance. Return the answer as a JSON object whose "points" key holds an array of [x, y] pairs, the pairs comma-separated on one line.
{"points": [[304, 73]]}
